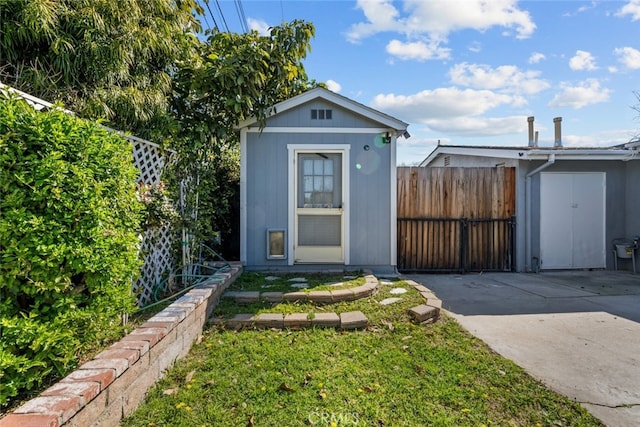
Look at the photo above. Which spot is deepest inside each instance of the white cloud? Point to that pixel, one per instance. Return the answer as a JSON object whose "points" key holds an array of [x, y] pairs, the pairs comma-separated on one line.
{"points": [[441, 103], [439, 18], [479, 126], [582, 60], [536, 57], [628, 56], [632, 8], [258, 25], [381, 16], [505, 77], [475, 47], [333, 86], [417, 50], [585, 93], [430, 22]]}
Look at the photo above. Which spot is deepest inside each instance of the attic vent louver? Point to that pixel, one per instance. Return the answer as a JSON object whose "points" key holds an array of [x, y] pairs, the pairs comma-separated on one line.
{"points": [[447, 160], [321, 114]]}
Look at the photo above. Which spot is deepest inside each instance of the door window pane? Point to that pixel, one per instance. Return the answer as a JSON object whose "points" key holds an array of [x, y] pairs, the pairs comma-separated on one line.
{"points": [[319, 180]]}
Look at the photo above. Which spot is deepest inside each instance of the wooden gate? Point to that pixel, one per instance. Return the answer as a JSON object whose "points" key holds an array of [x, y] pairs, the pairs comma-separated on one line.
{"points": [[456, 219]]}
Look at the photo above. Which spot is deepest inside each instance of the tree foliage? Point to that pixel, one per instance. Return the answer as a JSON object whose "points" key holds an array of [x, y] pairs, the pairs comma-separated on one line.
{"points": [[102, 58], [235, 77], [68, 240]]}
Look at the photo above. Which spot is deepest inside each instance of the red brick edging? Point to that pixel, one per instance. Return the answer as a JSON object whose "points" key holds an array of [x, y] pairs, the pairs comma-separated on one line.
{"points": [[106, 389]]}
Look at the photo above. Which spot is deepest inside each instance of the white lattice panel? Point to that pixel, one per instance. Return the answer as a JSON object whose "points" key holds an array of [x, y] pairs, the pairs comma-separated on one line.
{"points": [[150, 160], [156, 253]]}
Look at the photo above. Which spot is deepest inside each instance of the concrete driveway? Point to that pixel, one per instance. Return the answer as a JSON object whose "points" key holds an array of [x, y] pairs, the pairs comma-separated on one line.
{"points": [[576, 331]]}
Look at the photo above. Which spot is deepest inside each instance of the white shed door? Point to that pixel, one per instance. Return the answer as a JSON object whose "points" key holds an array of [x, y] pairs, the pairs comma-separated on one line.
{"points": [[572, 220], [319, 228]]}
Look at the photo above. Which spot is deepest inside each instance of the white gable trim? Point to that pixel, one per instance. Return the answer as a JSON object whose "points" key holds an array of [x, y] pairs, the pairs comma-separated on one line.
{"points": [[348, 104], [318, 130]]}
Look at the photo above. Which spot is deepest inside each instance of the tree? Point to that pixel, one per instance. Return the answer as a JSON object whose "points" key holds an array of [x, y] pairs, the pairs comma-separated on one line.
{"points": [[236, 76], [102, 58]]}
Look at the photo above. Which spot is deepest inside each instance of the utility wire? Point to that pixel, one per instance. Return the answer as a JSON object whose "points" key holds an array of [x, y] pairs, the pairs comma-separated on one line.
{"points": [[222, 16], [206, 2], [242, 16]]}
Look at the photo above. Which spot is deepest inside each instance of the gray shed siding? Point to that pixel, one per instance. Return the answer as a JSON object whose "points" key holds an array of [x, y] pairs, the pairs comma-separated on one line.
{"points": [[301, 117], [267, 194]]}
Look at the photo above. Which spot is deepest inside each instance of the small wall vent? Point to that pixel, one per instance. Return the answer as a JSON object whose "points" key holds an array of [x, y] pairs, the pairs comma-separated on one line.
{"points": [[321, 114], [447, 160]]}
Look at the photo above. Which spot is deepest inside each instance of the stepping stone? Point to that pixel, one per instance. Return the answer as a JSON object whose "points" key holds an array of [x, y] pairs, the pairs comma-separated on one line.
{"points": [[353, 320], [398, 291], [302, 285], [386, 282], [325, 320], [297, 320], [423, 312], [269, 320], [349, 277], [247, 297], [271, 278], [335, 284], [297, 279], [389, 301]]}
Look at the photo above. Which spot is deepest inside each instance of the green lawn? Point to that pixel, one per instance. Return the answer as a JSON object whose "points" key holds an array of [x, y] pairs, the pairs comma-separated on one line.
{"points": [[395, 373]]}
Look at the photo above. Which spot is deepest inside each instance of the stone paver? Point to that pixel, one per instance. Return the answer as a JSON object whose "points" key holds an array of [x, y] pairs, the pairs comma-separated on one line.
{"points": [[297, 320], [272, 296], [269, 320], [325, 320], [423, 312], [398, 291], [247, 297], [353, 320]]}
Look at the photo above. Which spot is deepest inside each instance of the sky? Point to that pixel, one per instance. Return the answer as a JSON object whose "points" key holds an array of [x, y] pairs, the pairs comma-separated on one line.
{"points": [[470, 72]]}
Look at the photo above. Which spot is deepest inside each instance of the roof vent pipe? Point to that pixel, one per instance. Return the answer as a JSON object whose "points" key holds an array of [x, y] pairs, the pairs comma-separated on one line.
{"points": [[531, 140], [558, 134]]}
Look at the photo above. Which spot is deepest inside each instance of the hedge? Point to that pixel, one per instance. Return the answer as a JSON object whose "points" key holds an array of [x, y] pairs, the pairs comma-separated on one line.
{"points": [[69, 227]]}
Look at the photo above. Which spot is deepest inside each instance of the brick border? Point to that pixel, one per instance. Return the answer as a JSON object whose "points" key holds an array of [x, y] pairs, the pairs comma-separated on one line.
{"points": [[318, 297], [108, 388]]}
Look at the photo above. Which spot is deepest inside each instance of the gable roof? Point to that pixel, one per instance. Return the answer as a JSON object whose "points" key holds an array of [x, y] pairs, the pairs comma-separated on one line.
{"points": [[619, 152], [321, 93]]}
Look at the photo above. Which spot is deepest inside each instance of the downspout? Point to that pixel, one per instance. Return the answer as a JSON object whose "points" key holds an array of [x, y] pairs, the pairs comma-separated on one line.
{"points": [[551, 160]]}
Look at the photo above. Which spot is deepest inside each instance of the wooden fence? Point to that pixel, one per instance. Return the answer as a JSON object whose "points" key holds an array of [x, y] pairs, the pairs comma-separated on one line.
{"points": [[456, 219]]}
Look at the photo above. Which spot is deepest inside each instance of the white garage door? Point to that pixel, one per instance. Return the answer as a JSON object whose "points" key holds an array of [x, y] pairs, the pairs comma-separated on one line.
{"points": [[572, 220]]}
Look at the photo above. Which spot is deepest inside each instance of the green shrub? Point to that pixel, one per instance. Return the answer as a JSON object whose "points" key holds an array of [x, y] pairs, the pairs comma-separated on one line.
{"points": [[69, 224]]}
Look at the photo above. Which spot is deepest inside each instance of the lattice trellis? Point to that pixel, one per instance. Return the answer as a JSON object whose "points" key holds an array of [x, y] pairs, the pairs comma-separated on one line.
{"points": [[150, 159]]}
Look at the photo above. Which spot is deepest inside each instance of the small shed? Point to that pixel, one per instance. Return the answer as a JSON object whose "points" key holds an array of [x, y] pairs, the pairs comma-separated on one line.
{"points": [[318, 186], [571, 203]]}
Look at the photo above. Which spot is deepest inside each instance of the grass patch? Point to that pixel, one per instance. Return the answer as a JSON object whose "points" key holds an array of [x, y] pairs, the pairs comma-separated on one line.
{"points": [[395, 373]]}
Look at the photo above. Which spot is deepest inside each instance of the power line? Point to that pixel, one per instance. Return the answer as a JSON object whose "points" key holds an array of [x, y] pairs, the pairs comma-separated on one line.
{"points": [[206, 2], [241, 15], [222, 16]]}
